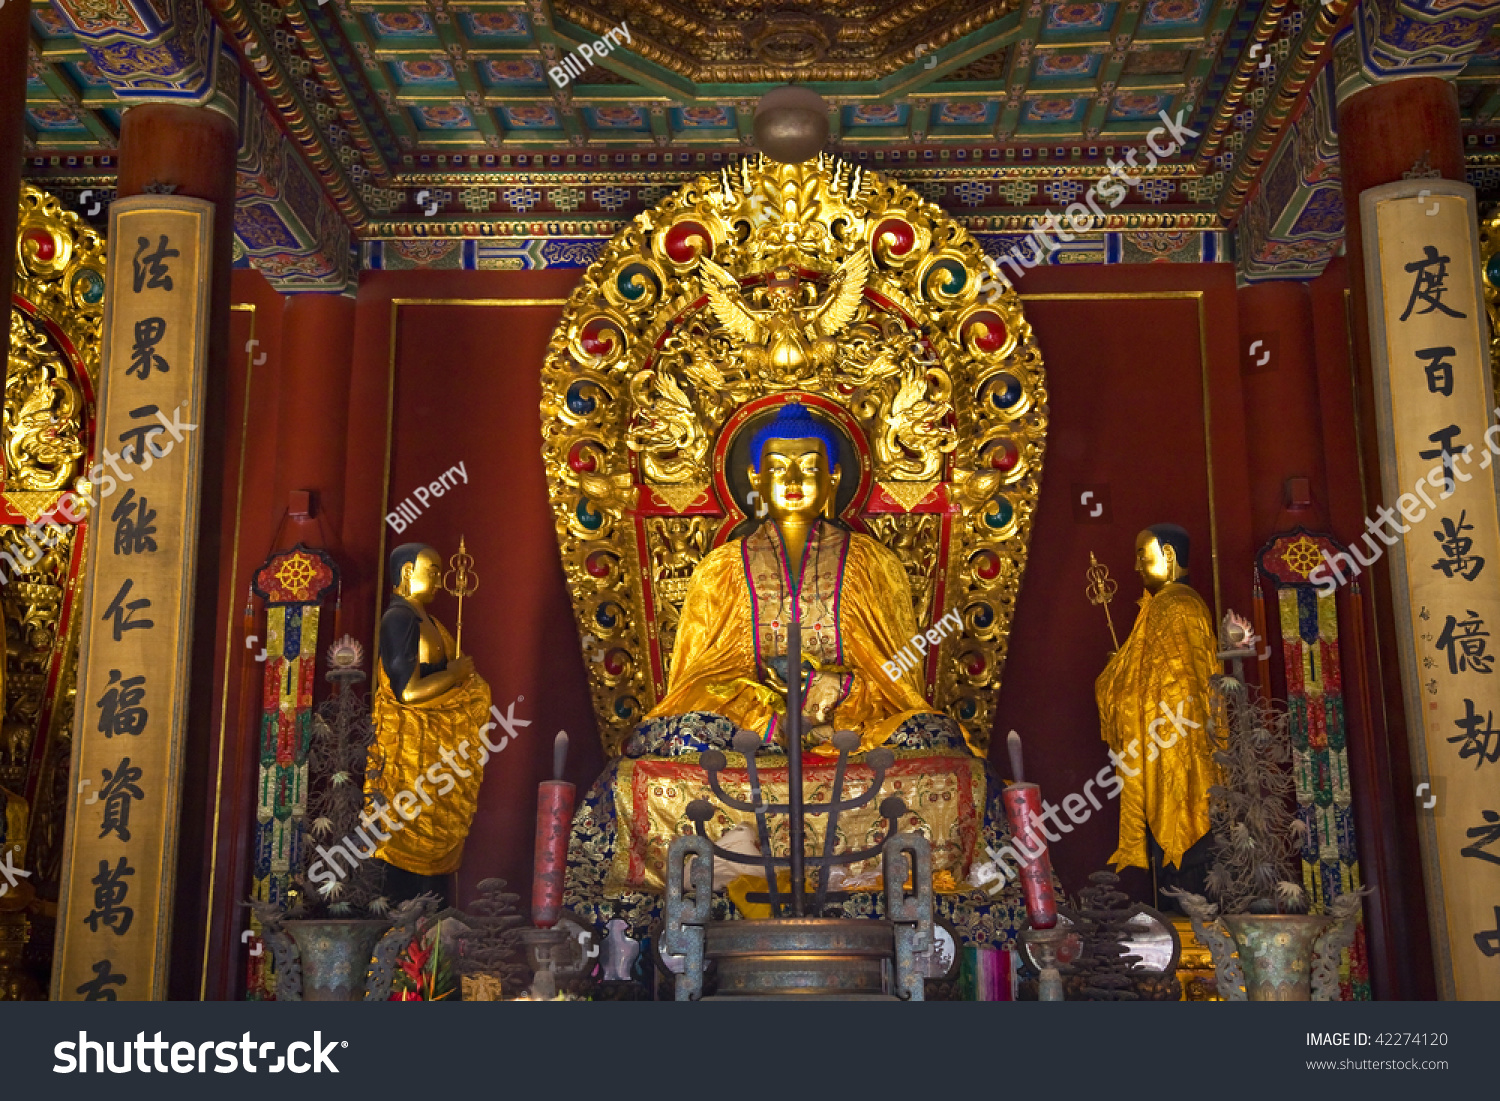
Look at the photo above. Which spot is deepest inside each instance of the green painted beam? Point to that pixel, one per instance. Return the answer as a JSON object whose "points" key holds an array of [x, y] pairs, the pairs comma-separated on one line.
{"points": [[920, 118], [954, 56], [379, 79], [1126, 25], [1486, 110], [653, 78], [544, 27], [1017, 75], [661, 133]]}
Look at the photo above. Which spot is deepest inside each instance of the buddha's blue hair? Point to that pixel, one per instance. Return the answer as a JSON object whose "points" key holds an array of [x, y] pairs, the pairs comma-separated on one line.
{"points": [[794, 422]]}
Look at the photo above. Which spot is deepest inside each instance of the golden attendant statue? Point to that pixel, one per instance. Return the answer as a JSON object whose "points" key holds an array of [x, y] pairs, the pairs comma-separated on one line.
{"points": [[428, 702], [1154, 705]]}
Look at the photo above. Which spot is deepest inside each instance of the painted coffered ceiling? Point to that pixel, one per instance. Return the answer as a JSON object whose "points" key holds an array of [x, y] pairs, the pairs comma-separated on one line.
{"points": [[405, 110]]}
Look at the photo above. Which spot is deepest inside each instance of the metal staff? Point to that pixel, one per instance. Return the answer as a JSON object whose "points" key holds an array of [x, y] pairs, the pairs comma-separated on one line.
{"points": [[794, 753], [460, 581], [1101, 590]]}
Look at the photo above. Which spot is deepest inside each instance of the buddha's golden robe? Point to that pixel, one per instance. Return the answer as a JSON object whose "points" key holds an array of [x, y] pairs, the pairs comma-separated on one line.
{"points": [[1163, 669], [409, 739], [856, 613]]}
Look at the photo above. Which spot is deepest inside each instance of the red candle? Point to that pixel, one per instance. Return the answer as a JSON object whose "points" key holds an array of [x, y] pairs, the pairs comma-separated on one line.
{"points": [[1023, 806], [554, 813], [554, 816]]}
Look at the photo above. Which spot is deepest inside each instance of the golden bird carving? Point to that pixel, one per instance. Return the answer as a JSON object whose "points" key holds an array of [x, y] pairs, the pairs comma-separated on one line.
{"points": [[784, 338]]}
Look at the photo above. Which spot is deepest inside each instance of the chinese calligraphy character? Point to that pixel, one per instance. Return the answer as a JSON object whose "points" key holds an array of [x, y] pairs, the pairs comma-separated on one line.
{"points": [[1439, 370], [1484, 744], [120, 710], [98, 989], [1428, 285], [1489, 943], [1443, 437], [110, 890], [1484, 835], [150, 270], [1456, 546], [143, 438], [143, 354], [122, 612], [1470, 645], [119, 791], [133, 534]]}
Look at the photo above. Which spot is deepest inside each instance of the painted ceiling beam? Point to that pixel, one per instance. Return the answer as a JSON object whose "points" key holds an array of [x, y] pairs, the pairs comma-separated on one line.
{"points": [[379, 79], [554, 45], [627, 63], [1221, 125], [952, 57], [468, 83], [67, 92], [1126, 24], [1293, 81], [258, 55], [1017, 72], [300, 18]]}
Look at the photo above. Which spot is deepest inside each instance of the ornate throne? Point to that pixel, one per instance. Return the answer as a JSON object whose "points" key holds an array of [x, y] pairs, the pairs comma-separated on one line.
{"points": [[671, 352]]}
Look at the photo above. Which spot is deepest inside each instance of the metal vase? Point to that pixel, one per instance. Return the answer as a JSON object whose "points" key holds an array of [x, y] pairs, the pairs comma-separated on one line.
{"points": [[1276, 954], [335, 957]]}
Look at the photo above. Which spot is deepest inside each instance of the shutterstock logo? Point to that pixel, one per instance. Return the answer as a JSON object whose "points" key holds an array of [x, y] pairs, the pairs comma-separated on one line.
{"points": [[144, 1056]]}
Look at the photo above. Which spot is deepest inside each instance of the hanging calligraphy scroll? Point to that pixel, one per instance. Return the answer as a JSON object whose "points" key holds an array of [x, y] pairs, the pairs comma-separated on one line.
{"points": [[1429, 342], [118, 878]]}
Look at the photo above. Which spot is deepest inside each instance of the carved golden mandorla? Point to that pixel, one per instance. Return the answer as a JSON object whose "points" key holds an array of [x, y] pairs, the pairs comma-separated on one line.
{"points": [[60, 272], [52, 359], [42, 445], [819, 278]]}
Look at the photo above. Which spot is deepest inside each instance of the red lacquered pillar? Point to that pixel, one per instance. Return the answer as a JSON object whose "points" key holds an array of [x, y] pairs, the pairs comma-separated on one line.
{"points": [[191, 151], [1387, 132]]}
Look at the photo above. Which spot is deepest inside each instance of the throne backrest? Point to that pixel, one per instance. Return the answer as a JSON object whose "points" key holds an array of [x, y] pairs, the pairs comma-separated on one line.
{"points": [[823, 282]]}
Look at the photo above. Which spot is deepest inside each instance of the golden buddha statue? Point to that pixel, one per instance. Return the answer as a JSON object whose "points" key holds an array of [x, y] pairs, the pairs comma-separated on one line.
{"points": [[1154, 701], [728, 673], [853, 594], [428, 709]]}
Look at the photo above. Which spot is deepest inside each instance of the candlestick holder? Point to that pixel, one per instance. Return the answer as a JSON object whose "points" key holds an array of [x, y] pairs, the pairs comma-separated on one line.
{"points": [[1050, 948], [794, 953]]}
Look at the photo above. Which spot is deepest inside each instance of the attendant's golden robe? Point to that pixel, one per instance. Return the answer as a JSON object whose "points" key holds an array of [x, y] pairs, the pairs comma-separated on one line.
{"points": [[409, 739], [1169, 658], [856, 613]]}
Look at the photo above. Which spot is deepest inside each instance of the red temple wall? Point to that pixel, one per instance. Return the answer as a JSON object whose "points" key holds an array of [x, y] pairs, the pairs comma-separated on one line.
{"points": [[1134, 354]]}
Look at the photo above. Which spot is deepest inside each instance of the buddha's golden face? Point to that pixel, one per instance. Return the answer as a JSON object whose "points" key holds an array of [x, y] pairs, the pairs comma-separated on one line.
{"points": [[1155, 562], [795, 480], [420, 579]]}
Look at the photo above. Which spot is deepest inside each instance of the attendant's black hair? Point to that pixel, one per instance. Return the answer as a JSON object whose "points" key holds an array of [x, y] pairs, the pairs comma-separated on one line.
{"points": [[405, 553], [1176, 537]]}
